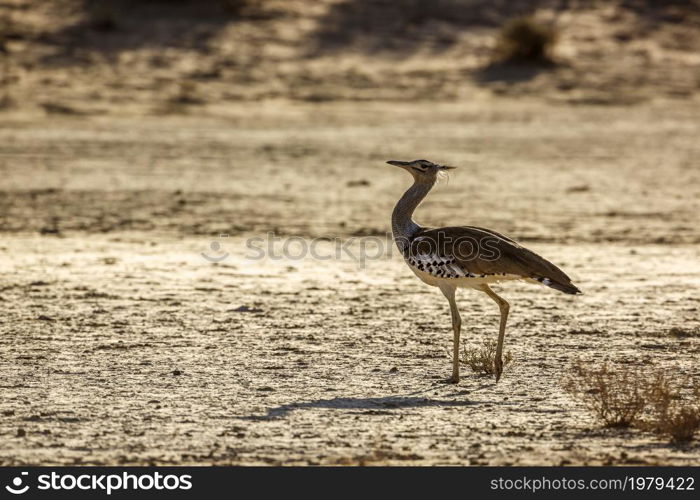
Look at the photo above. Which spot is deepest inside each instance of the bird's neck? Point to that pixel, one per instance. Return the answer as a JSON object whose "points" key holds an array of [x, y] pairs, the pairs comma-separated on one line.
{"points": [[402, 225]]}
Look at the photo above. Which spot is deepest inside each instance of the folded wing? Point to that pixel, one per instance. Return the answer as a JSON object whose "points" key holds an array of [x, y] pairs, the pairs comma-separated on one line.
{"points": [[482, 252]]}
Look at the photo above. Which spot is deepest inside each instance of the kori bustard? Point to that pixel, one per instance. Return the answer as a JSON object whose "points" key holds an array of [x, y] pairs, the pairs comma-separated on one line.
{"points": [[464, 256]]}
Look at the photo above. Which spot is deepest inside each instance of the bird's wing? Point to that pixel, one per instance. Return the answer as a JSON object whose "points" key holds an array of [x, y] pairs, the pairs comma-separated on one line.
{"points": [[482, 252]]}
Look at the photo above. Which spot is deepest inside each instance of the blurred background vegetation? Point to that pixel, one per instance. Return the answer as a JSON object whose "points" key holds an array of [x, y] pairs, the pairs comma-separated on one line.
{"points": [[171, 56]]}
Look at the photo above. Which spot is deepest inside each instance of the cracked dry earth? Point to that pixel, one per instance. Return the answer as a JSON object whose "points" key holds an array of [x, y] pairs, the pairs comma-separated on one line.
{"points": [[121, 344], [126, 351]]}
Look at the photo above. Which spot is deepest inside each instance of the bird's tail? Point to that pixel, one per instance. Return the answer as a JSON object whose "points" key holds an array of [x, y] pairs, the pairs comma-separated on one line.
{"points": [[569, 287]]}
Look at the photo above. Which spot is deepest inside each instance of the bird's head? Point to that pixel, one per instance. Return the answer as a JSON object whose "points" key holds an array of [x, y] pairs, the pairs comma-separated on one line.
{"points": [[422, 170]]}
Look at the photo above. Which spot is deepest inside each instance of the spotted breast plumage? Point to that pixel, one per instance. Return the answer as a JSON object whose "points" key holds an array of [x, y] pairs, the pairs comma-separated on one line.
{"points": [[434, 264]]}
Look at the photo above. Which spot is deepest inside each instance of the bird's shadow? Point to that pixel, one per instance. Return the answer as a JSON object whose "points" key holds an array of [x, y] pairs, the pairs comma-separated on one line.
{"points": [[369, 406]]}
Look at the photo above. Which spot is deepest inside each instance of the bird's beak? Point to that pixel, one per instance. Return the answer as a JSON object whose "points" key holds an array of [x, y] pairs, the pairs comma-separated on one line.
{"points": [[398, 163], [446, 167]]}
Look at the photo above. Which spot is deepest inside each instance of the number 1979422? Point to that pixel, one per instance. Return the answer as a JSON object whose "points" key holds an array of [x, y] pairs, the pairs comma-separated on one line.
{"points": [[660, 483]]}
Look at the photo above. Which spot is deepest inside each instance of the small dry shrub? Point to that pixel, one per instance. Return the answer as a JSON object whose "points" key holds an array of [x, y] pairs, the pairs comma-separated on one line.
{"points": [[673, 414], [616, 396], [681, 333], [681, 425], [481, 359], [622, 396], [524, 39]]}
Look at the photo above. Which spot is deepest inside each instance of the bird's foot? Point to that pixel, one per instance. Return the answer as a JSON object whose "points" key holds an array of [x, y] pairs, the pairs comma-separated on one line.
{"points": [[498, 368], [454, 379]]}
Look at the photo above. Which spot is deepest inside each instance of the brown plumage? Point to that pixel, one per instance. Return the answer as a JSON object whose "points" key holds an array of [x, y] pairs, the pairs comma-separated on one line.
{"points": [[497, 255], [465, 257]]}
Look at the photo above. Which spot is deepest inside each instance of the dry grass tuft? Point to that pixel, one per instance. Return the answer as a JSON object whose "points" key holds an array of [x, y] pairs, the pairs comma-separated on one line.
{"points": [[673, 414], [683, 332], [616, 396], [481, 359], [524, 39], [621, 396]]}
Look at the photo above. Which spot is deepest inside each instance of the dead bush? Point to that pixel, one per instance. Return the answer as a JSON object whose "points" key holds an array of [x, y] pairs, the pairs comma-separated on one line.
{"points": [[524, 39], [681, 333], [481, 359], [622, 396], [680, 425], [617, 396], [673, 414]]}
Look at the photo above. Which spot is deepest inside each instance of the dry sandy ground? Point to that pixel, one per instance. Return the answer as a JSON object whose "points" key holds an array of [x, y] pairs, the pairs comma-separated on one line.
{"points": [[121, 344]]}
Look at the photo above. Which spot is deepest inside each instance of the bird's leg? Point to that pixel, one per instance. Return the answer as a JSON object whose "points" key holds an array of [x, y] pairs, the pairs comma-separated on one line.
{"points": [[449, 292], [504, 308]]}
